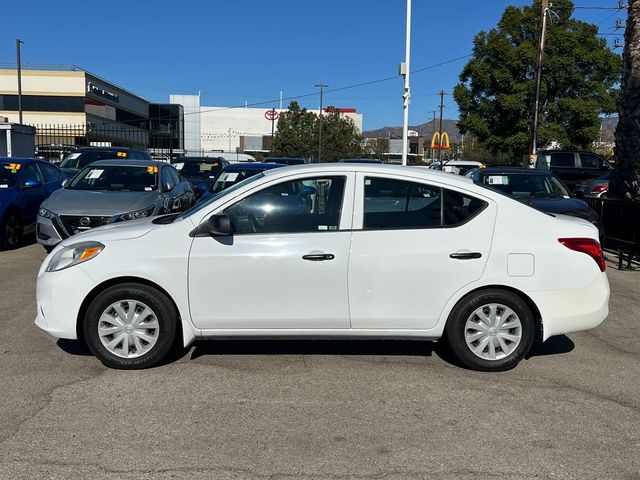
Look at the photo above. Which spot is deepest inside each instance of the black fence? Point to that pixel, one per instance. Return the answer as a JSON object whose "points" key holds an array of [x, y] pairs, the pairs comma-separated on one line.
{"points": [[54, 142], [621, 222]]}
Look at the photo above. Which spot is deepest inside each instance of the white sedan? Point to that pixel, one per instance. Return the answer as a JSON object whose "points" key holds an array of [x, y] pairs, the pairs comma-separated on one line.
{"points": [[333, 250]]}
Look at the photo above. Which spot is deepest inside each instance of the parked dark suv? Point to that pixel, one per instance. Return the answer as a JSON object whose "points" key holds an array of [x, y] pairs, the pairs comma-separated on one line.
{"points": [[83, 156], [573, 167]]}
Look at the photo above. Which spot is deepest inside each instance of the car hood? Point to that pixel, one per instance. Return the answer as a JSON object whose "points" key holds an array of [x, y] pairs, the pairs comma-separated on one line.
{"points": [[114, 231], [87, 202]]}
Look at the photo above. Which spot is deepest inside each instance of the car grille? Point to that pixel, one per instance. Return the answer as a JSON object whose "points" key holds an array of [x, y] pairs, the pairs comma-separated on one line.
{"points": [[80, 223]]}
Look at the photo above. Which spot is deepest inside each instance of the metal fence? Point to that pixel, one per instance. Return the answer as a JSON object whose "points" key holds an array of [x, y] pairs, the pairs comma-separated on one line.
{"points": [[55, 141], [621, 222]]}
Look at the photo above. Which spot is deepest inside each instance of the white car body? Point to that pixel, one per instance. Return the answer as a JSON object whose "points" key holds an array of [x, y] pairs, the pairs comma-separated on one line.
{"points": [[391, 283]]}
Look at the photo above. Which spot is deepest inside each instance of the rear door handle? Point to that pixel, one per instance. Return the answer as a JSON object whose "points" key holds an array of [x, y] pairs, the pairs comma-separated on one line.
{"points": [[318, 257], [465, 255]]}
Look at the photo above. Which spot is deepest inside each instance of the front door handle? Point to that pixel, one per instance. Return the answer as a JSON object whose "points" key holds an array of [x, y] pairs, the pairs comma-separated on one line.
{"points": [[465, 255], [318, 257]]}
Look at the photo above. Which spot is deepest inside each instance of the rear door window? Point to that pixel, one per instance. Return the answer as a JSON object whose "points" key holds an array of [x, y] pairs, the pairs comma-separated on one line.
{"points": [[563, 159], [49, 173], [593, 161]]}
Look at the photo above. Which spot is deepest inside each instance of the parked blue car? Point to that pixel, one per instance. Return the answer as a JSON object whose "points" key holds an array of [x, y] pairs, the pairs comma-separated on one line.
{"points": [[24, 184]]}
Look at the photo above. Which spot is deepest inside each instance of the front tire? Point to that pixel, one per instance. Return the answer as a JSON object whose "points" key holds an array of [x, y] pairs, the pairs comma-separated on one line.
{"points": [[490, 330], [130, 326], [11, 231]]}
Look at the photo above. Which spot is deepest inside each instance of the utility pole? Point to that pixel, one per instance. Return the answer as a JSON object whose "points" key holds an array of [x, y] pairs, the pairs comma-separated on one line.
{"points": [[19, 68], [442, 94], [433, 131], [322, 87], [536, 106], [406, 95]]}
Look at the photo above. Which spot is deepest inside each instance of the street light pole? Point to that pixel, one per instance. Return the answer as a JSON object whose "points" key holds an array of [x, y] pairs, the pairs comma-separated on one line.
{"points": [[322, 87], [19, 68], [536, 106], [406, 95]]}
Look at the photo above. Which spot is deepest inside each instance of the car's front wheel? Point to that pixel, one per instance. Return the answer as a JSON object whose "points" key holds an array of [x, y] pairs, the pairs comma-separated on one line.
{"points": [[130, 326], [11, 231], [490, 330]]}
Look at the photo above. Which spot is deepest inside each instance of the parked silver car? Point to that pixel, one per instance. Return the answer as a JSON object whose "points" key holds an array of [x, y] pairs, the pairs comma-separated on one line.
{"points": [[111, 191]]}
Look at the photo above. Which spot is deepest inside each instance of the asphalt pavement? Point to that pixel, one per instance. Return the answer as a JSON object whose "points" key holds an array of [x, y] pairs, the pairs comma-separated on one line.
{"points": [[317, 409]]}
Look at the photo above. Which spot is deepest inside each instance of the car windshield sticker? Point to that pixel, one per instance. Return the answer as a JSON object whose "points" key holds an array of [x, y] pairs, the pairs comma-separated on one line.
{"points": [[4, 185], [73, 155], [323, 227], [148, 189], [14, 167], [367, 182], [152, 170], [332, 227], [206, 167], [93, 174], [178, 166], [231, 177], [121, 154], [497, 180]]}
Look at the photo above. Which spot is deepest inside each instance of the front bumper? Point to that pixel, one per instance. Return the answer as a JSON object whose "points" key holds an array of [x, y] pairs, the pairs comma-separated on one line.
{"points": [[59, 296]]}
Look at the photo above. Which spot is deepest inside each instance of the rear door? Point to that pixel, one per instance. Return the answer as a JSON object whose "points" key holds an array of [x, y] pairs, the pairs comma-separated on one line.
{"points": [[32, 196], [414, 245], [565, 166]]}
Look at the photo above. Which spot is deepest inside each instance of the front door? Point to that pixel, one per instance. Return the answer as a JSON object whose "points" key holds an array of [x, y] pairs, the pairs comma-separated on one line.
{"points": [[285, 267], [414, 246]]}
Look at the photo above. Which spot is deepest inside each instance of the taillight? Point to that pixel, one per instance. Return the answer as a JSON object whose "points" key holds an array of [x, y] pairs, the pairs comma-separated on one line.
{"points": [[600, 189], [586, 245]]}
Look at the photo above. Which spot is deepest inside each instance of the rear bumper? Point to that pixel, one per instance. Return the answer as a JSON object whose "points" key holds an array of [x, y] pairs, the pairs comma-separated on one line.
{"points": [[567, 311]]}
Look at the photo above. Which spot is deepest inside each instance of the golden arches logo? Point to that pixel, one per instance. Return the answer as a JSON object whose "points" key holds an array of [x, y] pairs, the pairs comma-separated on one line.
{"points": [[440, 141]]}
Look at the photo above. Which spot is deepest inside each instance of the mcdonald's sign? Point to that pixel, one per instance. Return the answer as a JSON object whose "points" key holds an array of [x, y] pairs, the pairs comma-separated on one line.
{"points": [[440, 141]]}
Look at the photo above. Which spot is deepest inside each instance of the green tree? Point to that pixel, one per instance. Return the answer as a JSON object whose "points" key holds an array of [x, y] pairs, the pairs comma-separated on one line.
{"points": [[340, 137], [296, 129], [297, 135], [497, 86]]}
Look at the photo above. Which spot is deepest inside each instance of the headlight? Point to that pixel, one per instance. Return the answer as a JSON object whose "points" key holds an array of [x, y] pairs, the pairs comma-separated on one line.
{"points": [[74, 255], [145, 212], [43, 212]]}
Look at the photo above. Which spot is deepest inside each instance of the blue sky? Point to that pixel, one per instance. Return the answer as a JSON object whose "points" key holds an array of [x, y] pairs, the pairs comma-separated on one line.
{"points": [[250, 50]]}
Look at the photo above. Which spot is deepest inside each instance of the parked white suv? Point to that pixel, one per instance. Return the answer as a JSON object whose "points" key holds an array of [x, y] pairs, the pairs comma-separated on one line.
{"points": [[347, 250]]}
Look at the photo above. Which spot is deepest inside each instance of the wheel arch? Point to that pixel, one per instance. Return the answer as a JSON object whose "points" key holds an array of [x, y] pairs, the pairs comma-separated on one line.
{"points": [[539, 330], [184, 330]]}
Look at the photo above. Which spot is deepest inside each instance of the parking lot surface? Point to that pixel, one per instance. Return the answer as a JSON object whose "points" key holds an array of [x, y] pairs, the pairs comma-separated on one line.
{"points": [[317, 409]]}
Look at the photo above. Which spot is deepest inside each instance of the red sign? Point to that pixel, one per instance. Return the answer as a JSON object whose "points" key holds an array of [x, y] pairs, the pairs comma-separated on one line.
{"points": [[271, 115]]}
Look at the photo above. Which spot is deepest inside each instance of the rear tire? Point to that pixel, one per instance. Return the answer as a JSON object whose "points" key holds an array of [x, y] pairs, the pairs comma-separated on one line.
{"points": [[130, 326], [490, 330], [11, 231]]}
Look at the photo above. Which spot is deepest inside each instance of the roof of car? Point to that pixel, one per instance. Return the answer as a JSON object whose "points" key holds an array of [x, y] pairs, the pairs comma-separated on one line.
{"points": [[105, 149], [198, 159], [18, 160], [244, 166], [124, 162]]}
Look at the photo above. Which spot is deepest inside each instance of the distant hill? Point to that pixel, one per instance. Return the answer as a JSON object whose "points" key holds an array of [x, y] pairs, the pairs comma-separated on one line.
{"points": [[425, 130]]}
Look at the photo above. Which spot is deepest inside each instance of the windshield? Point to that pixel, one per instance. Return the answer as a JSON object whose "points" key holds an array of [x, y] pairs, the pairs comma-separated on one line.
{"points": [[526, 185], [8, 174], [226, 179], [82, 159], [200, 169], [199, 206], [116, 178]]}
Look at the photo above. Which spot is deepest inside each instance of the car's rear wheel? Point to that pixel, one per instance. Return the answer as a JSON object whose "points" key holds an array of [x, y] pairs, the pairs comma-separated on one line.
{"points": [[130, 326], [12, 230], [490, 330]]}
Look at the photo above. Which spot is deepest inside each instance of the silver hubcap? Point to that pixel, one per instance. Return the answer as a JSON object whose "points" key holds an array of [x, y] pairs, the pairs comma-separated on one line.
{"points": [[128, 328], [493, 331]]}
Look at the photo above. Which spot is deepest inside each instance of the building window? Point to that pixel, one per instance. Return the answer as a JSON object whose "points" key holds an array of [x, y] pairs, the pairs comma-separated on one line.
{"points": [[42, 103]]}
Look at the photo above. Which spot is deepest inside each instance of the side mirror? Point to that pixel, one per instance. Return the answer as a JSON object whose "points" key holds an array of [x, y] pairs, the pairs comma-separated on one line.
{"points": [[215, 225], [32, 184], [65, 183]]}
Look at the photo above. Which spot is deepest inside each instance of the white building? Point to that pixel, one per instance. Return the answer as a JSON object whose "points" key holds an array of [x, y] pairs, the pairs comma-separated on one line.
{"points": [[225, 129]]}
